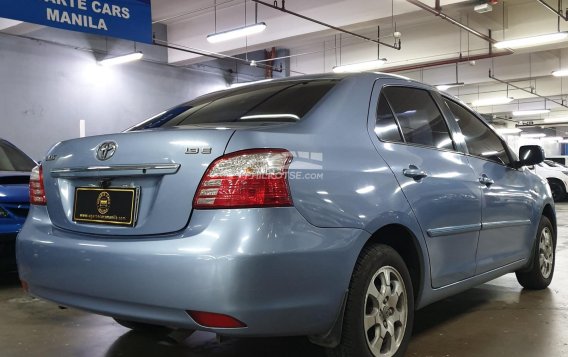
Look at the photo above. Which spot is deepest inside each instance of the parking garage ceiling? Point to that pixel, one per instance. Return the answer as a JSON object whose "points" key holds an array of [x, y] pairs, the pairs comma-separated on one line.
{"points": [[432, 49]]}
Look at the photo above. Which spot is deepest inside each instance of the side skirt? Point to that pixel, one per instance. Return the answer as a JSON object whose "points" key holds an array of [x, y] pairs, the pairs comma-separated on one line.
{"points": [[430, 296]]}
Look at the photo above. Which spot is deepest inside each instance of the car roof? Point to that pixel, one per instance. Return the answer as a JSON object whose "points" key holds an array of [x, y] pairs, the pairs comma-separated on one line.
{"points": [[363, 75], [368, 75]]}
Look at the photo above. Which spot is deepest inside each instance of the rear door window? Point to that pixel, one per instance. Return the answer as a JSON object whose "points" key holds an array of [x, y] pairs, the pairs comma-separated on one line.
{"points": [[386, 127], [420, 119], [480, 140]]}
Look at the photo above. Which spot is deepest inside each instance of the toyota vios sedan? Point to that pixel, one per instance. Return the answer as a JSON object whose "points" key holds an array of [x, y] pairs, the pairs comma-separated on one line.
{"points": [[15, 167], [329, 206]]}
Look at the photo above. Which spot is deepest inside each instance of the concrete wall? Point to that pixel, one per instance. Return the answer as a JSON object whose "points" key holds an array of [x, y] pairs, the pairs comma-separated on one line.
{"points": [[46, 89]]}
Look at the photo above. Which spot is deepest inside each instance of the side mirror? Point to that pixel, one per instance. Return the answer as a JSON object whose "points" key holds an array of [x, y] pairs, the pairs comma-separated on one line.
{"points": [[530, 155]]}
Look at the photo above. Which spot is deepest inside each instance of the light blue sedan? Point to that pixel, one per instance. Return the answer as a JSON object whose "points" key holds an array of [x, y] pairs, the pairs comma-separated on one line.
{"points": [[330, 206]]}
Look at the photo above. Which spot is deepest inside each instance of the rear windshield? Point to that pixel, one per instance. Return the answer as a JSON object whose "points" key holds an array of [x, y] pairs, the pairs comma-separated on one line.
{"points": [[12, 159], [273, 102]]}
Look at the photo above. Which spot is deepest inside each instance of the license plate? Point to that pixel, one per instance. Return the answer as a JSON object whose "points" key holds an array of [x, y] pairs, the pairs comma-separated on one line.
{"points": [[112, 206]]}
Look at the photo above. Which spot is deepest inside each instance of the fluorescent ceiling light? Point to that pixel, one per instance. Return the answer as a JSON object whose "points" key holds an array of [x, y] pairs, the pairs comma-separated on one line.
{"points": [[508, 130], [360, 67], [236, 33], [444, 87], [533, 41], [492, 101], [560, 73], [529, 135], [552, 138], [523, 113], [556, 120], [122, 59]]}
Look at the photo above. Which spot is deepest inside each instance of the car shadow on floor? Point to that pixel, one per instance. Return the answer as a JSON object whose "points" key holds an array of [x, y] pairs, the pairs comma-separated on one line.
{"points": [[483, 297], [444, 311], [205, 345], [427, 321]]}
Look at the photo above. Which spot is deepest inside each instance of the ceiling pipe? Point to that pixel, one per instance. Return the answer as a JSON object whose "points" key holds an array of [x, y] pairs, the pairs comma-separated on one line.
{"points": [[396, 46], [184, 14], [205, 53], [509, 84], [438, 12], [218, 56], [460, 59], [556, 12]]}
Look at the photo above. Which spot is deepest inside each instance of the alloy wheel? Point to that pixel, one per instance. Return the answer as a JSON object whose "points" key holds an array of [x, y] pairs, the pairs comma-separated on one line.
{"points": [[386, 312], [546, 252]]}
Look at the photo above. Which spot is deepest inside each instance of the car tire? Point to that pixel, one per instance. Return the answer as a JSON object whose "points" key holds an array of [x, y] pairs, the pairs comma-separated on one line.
{"points": [[539, 275], [558, 191], [379, 313], [140, 326]]}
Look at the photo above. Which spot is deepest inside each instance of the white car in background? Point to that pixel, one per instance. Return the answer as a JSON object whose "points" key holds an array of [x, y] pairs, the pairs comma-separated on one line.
{"points": [[556, 175], [553, 163], [562, 159]]}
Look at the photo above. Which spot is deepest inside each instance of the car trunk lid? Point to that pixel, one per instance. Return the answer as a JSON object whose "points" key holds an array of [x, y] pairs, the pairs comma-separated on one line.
{"points": [[163, 167]]}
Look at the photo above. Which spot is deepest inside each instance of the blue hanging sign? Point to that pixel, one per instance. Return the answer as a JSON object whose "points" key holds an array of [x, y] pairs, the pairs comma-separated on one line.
{"points": [[126, 19]]}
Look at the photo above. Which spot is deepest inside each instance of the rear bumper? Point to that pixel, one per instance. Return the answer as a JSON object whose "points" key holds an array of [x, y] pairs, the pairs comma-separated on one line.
{"points": [[269, 268]]}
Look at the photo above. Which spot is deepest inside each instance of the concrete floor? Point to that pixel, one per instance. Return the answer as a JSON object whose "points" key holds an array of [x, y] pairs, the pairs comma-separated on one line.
{"points": [[495, 319]]}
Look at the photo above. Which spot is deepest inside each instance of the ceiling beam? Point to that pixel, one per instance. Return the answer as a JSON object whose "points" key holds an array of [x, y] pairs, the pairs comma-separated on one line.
{"points": [[509, 84]]}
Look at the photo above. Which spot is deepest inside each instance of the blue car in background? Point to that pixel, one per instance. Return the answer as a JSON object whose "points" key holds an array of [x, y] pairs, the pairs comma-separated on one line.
{"points": [[328, 206], [15, 168]]}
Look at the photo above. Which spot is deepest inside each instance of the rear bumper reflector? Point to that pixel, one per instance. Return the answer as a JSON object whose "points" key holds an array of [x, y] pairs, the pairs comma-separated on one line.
{"points": [[213, 320]]}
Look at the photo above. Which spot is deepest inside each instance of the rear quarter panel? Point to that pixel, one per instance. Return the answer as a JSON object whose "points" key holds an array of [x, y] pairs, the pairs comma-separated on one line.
{"points": [[337, 178]]}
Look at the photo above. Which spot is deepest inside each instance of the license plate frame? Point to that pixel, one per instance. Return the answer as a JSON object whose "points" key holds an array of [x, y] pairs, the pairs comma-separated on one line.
{"points": [[116, 206]]}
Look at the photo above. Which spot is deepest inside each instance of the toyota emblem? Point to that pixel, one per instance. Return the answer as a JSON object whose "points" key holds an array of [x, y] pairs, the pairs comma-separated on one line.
{"points": [[106, 150]]}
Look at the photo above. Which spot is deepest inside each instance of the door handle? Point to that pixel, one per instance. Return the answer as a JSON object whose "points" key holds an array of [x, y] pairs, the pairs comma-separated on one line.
{"points": [[414, 172], [486, 180]]}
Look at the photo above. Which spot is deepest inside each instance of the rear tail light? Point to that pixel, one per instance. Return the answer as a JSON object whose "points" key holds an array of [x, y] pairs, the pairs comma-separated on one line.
{"points": [[209, 319], [246, 179], [37, 189]]}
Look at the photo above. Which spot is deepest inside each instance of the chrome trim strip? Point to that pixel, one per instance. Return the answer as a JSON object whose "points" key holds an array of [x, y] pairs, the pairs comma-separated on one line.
{"points": [[116, 170], [502, 224], [446, 231]]}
